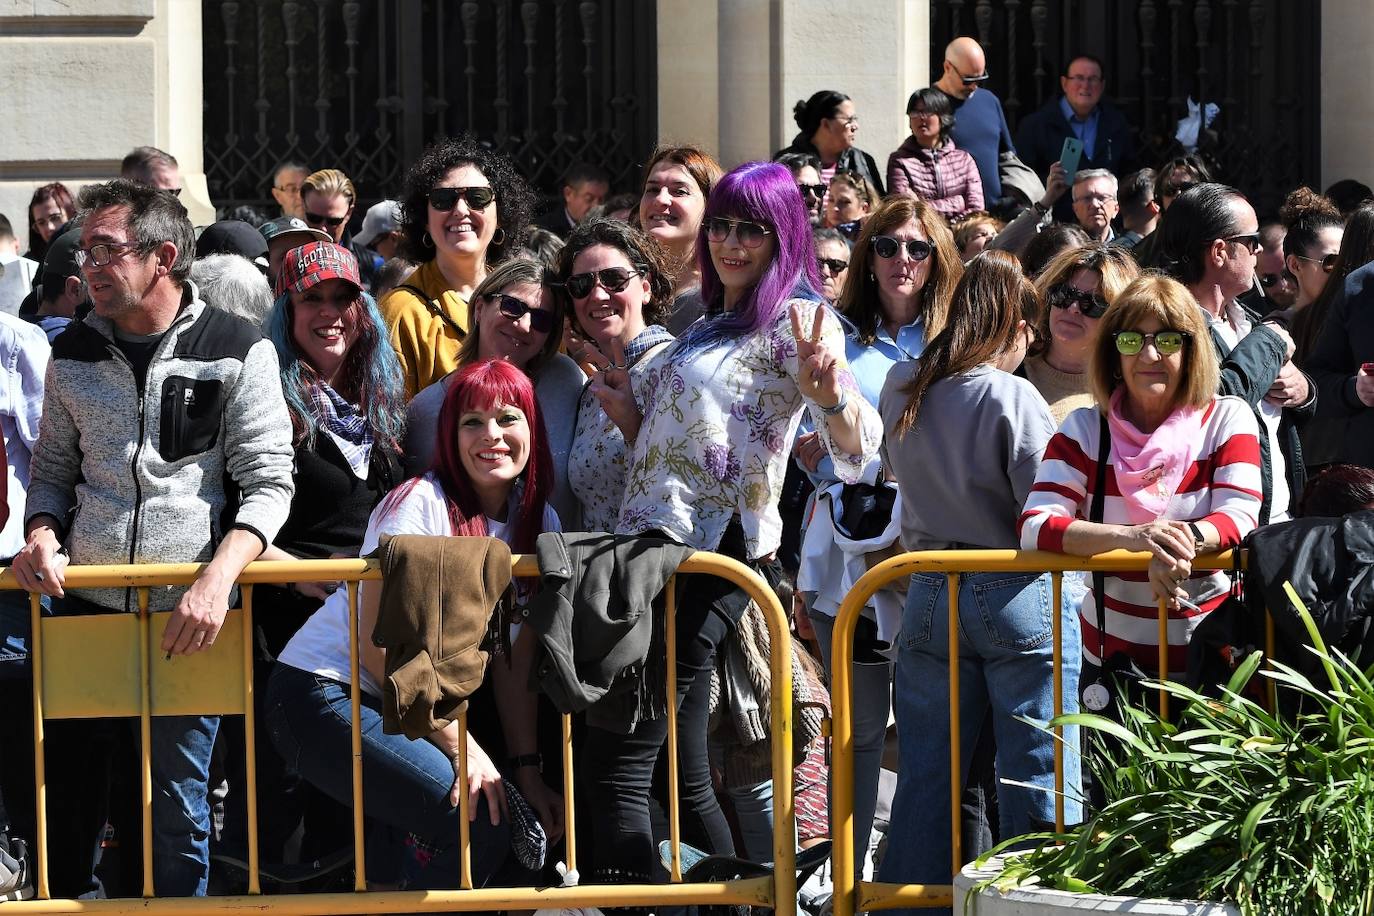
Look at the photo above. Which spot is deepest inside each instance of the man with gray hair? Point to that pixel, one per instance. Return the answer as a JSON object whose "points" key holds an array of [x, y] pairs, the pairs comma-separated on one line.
{"points": [[233, 284], [155, 407], [151, 167], [1094, 203]]}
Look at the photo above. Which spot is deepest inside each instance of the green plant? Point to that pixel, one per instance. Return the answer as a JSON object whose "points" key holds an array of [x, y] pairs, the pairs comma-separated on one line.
{"points": [[1229, 803]]}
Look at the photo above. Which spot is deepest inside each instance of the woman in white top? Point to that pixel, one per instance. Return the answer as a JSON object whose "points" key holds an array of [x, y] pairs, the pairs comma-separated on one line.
{"points": [[492, 477], [712, 419]]}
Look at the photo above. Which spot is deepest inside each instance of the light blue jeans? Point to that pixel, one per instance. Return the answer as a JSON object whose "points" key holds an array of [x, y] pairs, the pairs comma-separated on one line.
{"points": [[1005, 661]]}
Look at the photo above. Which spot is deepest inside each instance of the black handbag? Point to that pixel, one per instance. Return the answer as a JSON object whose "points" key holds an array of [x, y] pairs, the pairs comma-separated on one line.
{"points": [[865, 509]]}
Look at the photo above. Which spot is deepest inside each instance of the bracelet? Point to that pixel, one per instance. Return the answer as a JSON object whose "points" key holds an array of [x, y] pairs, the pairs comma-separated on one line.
{"points": [[1198, 539], [1040, 208], [838, 408], [527, 760]]}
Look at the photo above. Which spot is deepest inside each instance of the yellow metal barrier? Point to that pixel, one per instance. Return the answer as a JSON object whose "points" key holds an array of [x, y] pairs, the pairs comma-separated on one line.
{"points": [[85, 667], [851, 896]]}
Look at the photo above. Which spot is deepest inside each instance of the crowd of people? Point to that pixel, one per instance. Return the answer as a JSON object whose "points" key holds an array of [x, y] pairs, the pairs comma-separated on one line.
{"points": [[802, 364]]}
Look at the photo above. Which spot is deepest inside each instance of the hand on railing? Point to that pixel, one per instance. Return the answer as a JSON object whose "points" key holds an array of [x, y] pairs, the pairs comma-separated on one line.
{"points": [[41, 564], [1171, 547]]}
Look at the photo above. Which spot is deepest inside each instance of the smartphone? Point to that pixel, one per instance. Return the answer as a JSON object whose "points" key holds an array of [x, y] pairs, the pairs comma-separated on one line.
{"points": [[1069, 157]]}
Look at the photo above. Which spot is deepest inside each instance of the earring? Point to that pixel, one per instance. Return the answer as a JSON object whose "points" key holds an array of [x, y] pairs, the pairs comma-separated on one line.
{"points": [[499, 236], [1116, 374], [426, 240]]}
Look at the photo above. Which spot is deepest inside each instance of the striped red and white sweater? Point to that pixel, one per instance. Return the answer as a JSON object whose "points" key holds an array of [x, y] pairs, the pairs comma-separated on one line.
{"points": [[1223, 487]]}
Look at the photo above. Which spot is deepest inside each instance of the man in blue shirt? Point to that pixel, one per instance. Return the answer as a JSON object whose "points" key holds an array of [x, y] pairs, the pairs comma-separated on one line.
{"points": [[1108, 142], [980, 126]]}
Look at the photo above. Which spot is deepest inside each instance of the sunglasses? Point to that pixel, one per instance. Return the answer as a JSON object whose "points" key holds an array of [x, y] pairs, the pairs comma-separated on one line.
{"points": [[749, 234], [885, 246], [612, 280], [333, 222], [1167, 343], [1327, 261], [1090, 305], [968, 80], [1250, 240], [832, 266], [1268, 280], [815, 191], [1173, 190], [541, 320], [445, 199]]}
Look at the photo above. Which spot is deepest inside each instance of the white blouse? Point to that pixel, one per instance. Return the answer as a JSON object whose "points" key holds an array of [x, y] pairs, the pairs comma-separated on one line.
{"points": [[718, 426]]}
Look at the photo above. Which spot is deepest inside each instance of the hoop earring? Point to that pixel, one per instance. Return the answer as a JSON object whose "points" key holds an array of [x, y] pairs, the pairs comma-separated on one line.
{"points": [[499, 236], [426, 240], [1116, 374]]}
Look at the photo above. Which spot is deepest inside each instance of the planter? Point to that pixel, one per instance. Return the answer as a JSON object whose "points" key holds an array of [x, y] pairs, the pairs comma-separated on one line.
{"points": [[1033, 901]]}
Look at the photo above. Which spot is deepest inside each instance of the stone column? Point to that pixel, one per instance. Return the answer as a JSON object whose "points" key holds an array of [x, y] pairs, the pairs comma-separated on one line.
{"points": [[89, 80], [1347, 108], [731, 70]]}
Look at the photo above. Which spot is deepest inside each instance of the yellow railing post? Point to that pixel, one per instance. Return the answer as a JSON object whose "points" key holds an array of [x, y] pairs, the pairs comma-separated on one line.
{"points": [[39, 748], [145, 732], [250, 746], [956, 773], [1057, 593]]}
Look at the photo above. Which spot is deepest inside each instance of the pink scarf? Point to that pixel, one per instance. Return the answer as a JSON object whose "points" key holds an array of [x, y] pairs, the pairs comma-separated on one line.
{"points": [[1149, 467]]}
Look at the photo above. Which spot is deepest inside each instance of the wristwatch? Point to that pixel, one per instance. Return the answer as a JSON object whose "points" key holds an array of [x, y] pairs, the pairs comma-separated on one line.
{"points": [[1198, 539]]}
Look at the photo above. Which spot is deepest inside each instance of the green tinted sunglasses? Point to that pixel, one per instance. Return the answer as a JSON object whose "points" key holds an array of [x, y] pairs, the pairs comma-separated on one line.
{"points": [[1167, 343]]}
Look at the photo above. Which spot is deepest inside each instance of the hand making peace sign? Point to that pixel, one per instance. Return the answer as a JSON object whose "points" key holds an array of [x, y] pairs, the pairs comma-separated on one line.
{"points": [[611, 386], [817, 375]]}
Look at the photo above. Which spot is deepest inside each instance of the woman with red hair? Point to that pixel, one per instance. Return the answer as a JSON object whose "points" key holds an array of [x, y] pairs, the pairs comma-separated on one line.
{"points": [[492, 476]]}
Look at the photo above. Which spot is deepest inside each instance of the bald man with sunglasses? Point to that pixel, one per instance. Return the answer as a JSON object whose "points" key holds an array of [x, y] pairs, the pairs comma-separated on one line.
{"points": [[980, 125]]}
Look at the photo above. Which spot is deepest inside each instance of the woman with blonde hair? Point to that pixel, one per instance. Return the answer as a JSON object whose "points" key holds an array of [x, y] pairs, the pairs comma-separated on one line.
{"points": [[1078, 286]]}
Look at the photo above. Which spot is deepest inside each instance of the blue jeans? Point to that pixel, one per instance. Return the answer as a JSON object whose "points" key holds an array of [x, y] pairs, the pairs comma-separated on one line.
{"points": [[1006, 663], [405, 783], [872, 682]]}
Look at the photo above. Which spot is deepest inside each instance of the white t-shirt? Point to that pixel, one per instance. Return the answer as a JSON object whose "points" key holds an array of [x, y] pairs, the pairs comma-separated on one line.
{"points": [[321, 645]]}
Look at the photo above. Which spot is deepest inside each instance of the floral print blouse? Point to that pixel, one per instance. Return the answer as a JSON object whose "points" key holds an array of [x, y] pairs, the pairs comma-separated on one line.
{"points": [[599, 460], [718, 426]]}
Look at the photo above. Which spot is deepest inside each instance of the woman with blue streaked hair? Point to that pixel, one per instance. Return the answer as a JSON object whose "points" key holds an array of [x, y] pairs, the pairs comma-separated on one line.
{"points": [[712, 418], [345, 395]]}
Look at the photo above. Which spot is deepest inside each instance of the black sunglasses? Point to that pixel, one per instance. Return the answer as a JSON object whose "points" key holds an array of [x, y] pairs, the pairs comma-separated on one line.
{"points": [[541, 320], [1250, 240], [885, 246], [816, 191], [445, 199], [333, 222], [969, 80], [750, 234], [1268, 280], [612, 280], [1090, 305], [833, 265]]}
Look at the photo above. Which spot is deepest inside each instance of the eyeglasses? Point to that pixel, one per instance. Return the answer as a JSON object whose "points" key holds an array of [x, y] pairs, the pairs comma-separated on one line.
{"points": [[815, 191], [612, 280], [102, 254], [317, 220], [1095, 199], [1084, 80], [445, 199], [832, 266], [885, 246], [1327, 261], [851, 122], [749, 234], [287, 188], [1250, 240], [1167, 343], [541, 320], [1090, 305], [968, 80], [921, 113]]}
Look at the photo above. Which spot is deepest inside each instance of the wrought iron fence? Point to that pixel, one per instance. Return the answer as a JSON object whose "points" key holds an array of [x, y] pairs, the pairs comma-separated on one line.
{"points": [[1253, 58], [364, 85]]}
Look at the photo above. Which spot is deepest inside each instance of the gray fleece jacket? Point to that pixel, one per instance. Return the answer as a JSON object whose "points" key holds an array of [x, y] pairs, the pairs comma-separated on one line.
{"points": [[143, 476]]}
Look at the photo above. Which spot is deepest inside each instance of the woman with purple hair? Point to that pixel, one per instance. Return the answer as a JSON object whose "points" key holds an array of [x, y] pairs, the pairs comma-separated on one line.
{"points": [[711, 421]]}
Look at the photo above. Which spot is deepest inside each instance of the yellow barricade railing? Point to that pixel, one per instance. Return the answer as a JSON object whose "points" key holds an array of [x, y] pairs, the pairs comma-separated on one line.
{"points": [[100, 666], [851, 895]]}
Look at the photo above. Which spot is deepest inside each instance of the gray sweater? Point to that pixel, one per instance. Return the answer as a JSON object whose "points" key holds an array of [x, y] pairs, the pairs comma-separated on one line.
{"points": [[966, 466], [139, 476]]}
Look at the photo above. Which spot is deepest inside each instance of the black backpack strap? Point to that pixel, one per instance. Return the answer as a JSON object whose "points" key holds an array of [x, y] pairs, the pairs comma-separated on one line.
{"points": [[1104, 448], [433, 305]]}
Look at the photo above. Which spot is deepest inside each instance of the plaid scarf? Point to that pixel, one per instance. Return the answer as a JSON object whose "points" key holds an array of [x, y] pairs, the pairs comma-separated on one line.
{"points": [[650, 337], [345, 423]]}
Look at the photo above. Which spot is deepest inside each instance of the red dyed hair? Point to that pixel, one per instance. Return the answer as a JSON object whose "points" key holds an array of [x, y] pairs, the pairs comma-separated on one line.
{"points": [[482, 386]]}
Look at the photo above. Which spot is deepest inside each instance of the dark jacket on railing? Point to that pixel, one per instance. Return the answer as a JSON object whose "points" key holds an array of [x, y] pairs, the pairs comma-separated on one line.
{"points": [[435, 617], [600, 640]]}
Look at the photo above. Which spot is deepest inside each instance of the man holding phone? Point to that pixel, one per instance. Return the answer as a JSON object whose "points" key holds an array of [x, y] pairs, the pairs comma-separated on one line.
{"points": [[1079, 113]]}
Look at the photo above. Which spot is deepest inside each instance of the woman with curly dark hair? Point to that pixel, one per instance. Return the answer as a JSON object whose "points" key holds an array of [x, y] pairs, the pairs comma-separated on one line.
{"points": [[617, 288], [465, 210]]}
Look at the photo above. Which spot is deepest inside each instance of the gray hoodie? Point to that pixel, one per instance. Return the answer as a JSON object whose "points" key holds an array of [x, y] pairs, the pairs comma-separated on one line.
{"points": [[142, 477]]}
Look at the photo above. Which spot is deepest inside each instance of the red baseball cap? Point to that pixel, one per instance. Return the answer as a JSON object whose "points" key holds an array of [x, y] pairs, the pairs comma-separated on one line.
{"points": [[314, 263]]}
